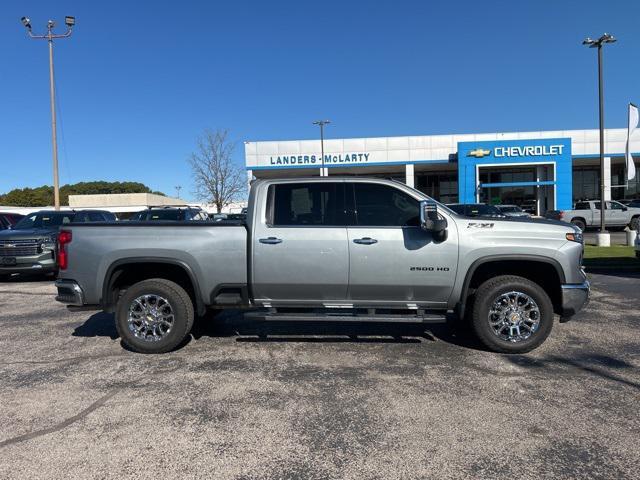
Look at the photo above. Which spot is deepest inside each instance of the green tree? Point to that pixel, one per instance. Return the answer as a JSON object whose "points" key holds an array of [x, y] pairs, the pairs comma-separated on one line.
{"points": [[43, 196]]}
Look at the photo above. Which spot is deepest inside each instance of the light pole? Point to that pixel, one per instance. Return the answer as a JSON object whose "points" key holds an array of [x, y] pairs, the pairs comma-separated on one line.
{"points": [[606, 38], [321, 124], [178, 188], [50, 36]]}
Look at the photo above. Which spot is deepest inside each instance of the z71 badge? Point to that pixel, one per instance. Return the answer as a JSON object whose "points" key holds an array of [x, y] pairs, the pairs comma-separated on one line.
{"points": [[480, 225]]}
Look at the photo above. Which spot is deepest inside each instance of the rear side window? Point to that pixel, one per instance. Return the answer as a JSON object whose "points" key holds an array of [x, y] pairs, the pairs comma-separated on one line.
{"points": [[384, 206], [582, 206], [305, 204]]}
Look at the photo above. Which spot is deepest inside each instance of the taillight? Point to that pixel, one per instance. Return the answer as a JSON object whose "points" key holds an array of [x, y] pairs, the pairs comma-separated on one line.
{"points": [[560, 215], [64, 237]]}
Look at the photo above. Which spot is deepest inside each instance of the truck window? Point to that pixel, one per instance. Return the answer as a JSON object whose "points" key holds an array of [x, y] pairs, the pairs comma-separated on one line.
{"points": [[582, 206], [383, 206], [306, 204]]}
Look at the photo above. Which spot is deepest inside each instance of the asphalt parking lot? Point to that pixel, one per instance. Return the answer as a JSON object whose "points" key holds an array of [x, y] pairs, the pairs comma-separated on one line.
{"points": [[243, 400]]}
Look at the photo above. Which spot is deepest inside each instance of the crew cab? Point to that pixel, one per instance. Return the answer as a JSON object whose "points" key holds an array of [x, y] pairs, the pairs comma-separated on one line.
{"points": [[339, 248], [587, 214]]}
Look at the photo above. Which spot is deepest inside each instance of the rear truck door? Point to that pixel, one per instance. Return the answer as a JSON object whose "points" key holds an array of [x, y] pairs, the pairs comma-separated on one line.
{"points": [[392, 260], [300, 253], [618, 215]]}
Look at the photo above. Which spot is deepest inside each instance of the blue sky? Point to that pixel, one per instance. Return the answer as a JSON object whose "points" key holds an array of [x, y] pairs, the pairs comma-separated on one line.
{"points": [[138, 81]]}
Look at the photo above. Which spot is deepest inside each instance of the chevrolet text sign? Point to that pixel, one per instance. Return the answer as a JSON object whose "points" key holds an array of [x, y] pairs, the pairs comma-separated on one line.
{"points": [[528, 151]]}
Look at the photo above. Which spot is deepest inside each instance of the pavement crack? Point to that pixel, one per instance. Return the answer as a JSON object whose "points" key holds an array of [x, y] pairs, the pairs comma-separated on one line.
{"points": [[64, 424]]}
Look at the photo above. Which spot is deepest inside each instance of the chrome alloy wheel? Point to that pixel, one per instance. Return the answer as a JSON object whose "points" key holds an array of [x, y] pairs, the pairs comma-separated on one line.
{"points": [[514, 317], [150, 317]]}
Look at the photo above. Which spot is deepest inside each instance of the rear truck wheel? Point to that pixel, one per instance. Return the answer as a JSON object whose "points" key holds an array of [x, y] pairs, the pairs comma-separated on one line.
{"points": [[154, 316], [579, 223], [512, 314], [635, 222]]}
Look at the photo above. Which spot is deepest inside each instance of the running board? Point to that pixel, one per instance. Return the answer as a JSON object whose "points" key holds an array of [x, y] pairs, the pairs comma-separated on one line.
{"points": [[271, 316]]}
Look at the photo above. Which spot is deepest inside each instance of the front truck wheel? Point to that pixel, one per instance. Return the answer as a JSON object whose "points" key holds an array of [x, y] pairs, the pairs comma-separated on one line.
{"points": [[154, 316], [512, 314]]}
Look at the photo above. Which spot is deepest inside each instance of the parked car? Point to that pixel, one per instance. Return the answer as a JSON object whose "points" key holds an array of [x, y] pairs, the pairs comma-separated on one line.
{"points": [[587, 214], [229, 217], [329, 248], [513, 211], [170, 214], [476, 210], [8, 220], [30, 245]]}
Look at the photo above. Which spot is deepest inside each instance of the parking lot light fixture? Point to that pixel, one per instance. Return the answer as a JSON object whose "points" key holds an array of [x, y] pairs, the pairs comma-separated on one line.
{"points": [[604, 39], [50, 36], [321, 124]]}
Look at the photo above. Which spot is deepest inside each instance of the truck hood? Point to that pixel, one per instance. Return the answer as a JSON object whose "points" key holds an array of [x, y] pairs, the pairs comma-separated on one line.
{"points": [[522, 225], [27, 233]]}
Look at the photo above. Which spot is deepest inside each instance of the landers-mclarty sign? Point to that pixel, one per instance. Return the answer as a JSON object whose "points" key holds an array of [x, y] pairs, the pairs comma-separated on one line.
{"points": [[317, 159]]}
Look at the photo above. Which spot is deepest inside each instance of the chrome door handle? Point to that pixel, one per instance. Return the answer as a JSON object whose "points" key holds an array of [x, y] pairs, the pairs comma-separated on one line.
{"points": [[365, 241], [270, 240]]}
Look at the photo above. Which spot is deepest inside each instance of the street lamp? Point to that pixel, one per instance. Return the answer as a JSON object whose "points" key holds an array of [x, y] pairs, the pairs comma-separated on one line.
{"points": [[50, 36], [606, 38], [321, 124]]}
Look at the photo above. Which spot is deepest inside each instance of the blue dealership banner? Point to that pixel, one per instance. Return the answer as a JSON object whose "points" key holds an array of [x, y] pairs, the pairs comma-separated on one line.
{"points": [[548, 151]]}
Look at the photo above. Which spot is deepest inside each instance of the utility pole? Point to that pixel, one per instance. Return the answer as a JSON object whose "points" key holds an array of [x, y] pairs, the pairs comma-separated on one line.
{"points": [[321, 123], [50, 36], [603, 236], [178, 188]]}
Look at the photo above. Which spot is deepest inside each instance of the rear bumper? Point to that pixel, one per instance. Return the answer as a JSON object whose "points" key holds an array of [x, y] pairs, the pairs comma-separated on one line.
{"points": [[69, 292], [574, 298]]}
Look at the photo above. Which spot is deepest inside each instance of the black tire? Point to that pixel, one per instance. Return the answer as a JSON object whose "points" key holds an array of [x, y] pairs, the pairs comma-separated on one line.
{"points": [[579, 223], [487, 294], [635, 222], [181, 305]]}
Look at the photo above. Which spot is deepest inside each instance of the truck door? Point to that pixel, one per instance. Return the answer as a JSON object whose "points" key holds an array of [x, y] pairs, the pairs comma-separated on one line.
{"points": [[392, 260], [618, 215], [300, 251]]}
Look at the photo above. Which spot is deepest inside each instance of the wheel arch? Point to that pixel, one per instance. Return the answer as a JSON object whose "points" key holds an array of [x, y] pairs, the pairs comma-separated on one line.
{"points": [[484, 268], [120, 272]]}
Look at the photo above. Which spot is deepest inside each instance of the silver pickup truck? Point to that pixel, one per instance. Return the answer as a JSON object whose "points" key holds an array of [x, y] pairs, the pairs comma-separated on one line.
{"points": [[338, 248], [587, 214]]}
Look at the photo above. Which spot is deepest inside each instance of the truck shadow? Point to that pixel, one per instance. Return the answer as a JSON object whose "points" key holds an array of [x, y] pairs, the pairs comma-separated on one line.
{"points": [[234, 324]]}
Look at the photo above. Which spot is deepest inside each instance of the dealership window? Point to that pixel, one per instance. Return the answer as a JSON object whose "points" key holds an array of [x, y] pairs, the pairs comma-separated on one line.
{"points": [[441, 186], [620, 188], [301, 204], [586, 183]]}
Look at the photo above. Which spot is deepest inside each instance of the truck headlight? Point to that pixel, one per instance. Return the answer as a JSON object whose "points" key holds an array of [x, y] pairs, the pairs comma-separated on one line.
{"points": [[49, 243], [575, 237]]}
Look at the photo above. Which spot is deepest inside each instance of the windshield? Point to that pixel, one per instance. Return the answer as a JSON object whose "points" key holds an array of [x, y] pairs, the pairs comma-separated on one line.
{"points": [[44, 220], [510, 209], [476, 210]]}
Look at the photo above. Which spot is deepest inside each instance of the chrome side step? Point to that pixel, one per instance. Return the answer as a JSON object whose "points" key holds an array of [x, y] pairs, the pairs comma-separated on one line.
{"points": [[273, 315]]}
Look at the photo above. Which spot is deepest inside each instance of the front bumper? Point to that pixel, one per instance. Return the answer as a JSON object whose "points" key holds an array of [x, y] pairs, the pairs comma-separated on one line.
{"points": [[44, 262], [69, 292], [574, 298]]}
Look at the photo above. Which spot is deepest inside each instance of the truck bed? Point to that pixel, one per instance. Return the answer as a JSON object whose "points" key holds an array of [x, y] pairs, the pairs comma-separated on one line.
{"points": [[212, 253]]}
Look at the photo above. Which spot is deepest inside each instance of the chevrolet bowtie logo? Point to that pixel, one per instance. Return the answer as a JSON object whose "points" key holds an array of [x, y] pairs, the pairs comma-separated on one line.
{"points": [[478, 153]]}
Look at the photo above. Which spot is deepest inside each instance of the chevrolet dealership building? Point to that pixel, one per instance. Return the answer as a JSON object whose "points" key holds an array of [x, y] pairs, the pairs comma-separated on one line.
{"points": [[537, 170]]}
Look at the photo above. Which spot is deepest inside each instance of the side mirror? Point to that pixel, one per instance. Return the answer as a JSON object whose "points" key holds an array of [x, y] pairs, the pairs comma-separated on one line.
{"points": [[624, 209], [429, 220]]}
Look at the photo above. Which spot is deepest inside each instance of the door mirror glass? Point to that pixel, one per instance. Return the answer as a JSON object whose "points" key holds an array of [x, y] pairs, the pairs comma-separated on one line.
{"points": [[429, 219]]}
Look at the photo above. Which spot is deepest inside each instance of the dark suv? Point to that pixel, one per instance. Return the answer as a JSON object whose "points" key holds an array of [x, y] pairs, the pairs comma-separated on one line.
{"points": [[170, 214], [30, 245]]}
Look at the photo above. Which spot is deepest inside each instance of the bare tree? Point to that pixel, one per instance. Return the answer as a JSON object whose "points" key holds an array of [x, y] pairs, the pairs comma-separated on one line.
{"points": [[217, 179]]}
